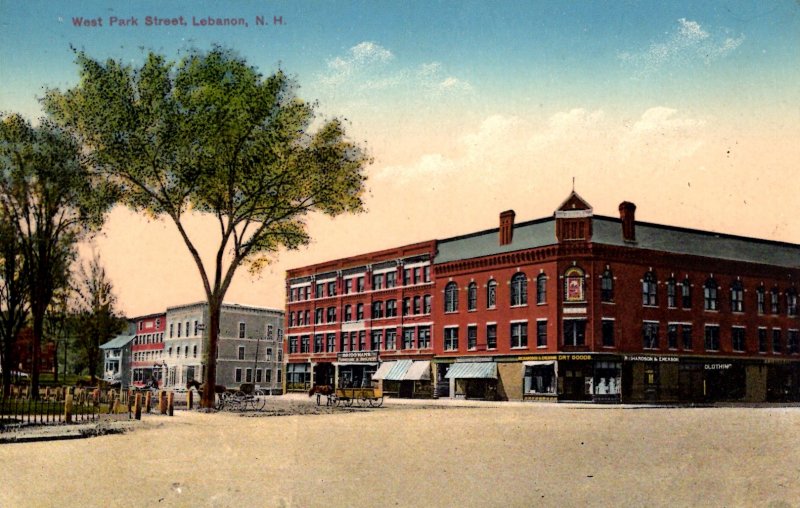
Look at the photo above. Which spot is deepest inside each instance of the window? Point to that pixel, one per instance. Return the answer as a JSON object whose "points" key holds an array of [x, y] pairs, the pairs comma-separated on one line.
{"points": [[574, 281], [248, 377], [541, 289], [607, 332], [268, 376], [179, 330], [318, 290], [738, 338], [258, 375], [377, 281], [672, 336], [170, 330], [491, 294], [278, 376], [169, 352], [280, 356], [187, 328], [650, 335], [686, 294], [241, 352], [348, 286], [574, 332], [362, 339], [195, 327], [291, 318], [407, 276], [406, 306], [343, 342], [777, 340], [519, 335], [331, 314], [243, 329], [792, 342], [319, 341], [391, 308], [360, 284], [417, 308], [737, 296], [424, 337], [649, 289], [451, 297], [360, 312], [319, 315], [377, 310], [391, 340], [332, 288], [762, 340], [269, 354], [760, 300], [491, 336], [377, 338], [450, 339], [194, 351], [773, 301], [712, 338], [417, 275], [426, 273], [391, 279], [472, 337], [348, 313], [607, 286], [519, 290], [305, 344], [408, 338], [791, 302], [307, 317], [238, 375], [330, 345], [472, 296], [710, 290], [426, 304], [541, 333], [671, 300]]}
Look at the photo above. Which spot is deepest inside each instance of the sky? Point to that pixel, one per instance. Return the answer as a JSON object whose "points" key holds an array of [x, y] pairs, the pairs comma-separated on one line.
{"points": [[689, 109]]}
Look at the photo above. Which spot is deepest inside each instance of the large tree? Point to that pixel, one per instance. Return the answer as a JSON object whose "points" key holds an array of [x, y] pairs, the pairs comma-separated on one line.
{"points": [[13, 296], [211, 135], [52, 200], [94, 310]]}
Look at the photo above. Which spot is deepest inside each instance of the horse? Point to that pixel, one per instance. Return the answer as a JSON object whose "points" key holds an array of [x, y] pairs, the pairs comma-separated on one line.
{"points": [[326, 390]]}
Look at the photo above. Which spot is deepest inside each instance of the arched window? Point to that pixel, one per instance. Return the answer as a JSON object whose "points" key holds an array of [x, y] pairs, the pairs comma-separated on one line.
{"points": [[541, 288], [649, 289], [472, 296], [710, 297], [607, 286], [451, 297], [791, 302], [574, 284], [377, 309], [519, 289], [737, 296], [491, 294], [671, 293]]}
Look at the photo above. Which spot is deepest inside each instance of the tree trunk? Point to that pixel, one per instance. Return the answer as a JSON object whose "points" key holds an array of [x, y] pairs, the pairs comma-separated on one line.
{"points": [[55, 364], [214, 311], [5, 363], [38, 331]]}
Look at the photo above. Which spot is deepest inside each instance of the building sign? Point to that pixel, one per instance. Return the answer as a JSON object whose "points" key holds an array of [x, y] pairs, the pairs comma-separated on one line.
{"points": [[574, 310], [574, 283], [556, 357], [649, 358], [718, 366], [358, 356]]}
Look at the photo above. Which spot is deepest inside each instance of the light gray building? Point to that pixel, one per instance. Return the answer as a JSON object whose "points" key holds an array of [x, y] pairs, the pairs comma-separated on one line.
{"points": [[117, 358], [250, 341]]}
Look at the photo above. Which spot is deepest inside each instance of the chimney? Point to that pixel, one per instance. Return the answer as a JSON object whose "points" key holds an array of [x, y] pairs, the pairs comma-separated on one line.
{"points": [[506, 227], [627, 214]]}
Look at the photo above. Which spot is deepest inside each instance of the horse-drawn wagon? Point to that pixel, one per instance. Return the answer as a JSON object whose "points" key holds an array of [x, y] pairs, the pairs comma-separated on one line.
{"points": [[363, 397]]}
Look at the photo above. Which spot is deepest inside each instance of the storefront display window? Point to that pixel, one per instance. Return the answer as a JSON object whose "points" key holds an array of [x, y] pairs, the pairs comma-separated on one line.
{"points": [[540, 378]]}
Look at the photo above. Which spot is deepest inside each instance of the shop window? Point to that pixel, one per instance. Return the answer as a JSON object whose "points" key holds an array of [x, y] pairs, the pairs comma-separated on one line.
{"points": [[607, 286], [712, 338], [491, 294], [710, 295], [737, 297], [424, 337], [491, 336], [738, 338], [574, 332], [777, 340], [540, 379], [472, 337], [519, 335], [451, 297], [519, 290], [671, 293], [541, 289], [574, 283], [472, 296], [451, 339], [650, 335], [649, 289], [541, 333]]}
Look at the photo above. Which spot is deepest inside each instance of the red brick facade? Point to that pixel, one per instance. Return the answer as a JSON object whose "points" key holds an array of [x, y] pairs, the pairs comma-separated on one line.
{"points": [[148, 349]]}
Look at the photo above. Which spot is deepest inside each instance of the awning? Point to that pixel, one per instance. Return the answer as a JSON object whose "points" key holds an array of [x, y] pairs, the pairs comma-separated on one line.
{"points": [[483, 370], [398, 370], [383, 370], [418, 371]]}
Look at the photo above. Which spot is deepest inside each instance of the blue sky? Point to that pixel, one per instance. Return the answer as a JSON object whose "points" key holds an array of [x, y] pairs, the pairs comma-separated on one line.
{"points": [[691, 109]]}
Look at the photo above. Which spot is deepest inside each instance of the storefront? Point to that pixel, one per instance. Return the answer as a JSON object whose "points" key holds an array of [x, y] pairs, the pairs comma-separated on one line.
{"points": [[355, 368], [570, 377], [405, 378], [298, 376], [473, 380], [783, 381], [324, 373]]}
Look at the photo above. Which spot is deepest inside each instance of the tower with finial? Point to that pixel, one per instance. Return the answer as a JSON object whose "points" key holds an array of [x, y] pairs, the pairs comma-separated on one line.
{"points": [[574, 218]]}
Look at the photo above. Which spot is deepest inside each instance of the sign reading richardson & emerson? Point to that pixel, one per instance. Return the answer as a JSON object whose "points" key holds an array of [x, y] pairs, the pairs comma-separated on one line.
{"points": [[650, 358]]}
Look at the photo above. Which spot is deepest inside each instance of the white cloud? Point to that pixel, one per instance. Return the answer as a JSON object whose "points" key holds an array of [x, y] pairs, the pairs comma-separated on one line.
{"points": [[688, 42], [361, 56]]}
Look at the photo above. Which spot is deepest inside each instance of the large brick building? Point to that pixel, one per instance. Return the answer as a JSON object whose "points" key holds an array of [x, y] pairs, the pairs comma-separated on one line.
{"points": [[570, 307]]}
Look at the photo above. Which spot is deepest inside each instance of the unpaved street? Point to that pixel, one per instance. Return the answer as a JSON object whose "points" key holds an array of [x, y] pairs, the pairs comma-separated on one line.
{"points": [[508, 455]]}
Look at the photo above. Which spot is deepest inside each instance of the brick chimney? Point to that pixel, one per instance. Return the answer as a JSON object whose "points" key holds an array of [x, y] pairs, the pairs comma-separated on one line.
{"points": [[627, 214], [506, 226]]}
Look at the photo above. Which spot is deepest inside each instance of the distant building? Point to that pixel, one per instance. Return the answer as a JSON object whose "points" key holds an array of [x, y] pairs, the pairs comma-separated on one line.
{"points": [[22, 352], [575, 306], [147, 351], [117, 357], [249, 341]]}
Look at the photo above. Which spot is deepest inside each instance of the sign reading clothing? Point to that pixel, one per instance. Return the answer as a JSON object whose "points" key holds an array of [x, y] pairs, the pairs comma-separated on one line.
{"points": [[359, 356]]}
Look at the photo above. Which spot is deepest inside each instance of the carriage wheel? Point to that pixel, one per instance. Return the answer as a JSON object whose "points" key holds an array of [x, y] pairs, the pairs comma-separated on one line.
{"points": [[259, 402], [363, 402], [348, 402], [376, 402], [221, 401]]}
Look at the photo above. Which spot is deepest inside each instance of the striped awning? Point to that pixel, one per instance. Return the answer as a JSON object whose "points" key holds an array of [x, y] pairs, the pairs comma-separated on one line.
{"points": [[482, 370], [383, 370], [419, 371], [398, 370]]}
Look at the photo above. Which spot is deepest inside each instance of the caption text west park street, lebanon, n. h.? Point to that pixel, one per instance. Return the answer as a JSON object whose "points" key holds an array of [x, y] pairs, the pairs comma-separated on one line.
{"points": [[156, 21]]}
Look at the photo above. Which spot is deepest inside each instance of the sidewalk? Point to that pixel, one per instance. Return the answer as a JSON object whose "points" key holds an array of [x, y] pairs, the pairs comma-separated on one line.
{"points": [[63, 431]]}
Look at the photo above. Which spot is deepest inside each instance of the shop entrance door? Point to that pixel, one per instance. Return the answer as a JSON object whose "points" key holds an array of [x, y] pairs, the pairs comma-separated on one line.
{"points": [[578, 380], [690, 383]]}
